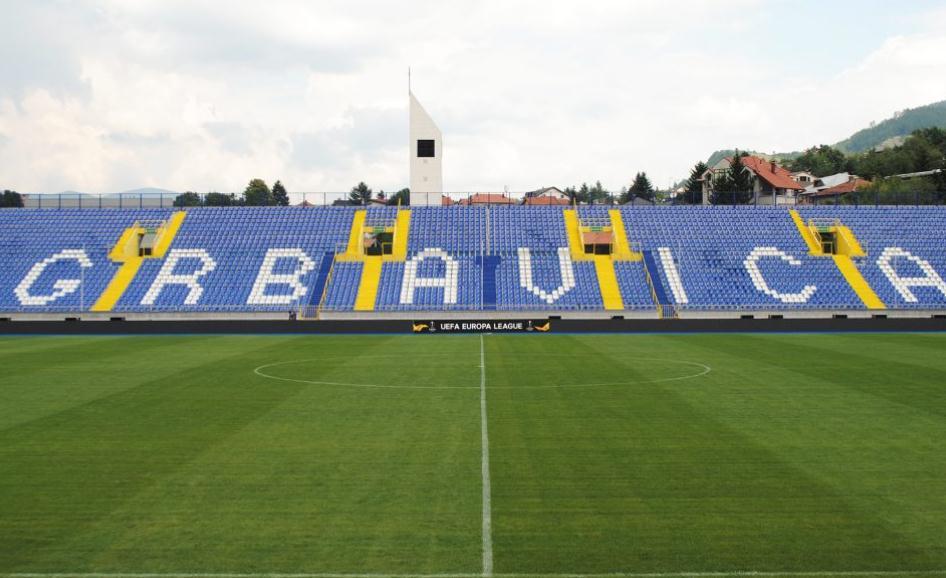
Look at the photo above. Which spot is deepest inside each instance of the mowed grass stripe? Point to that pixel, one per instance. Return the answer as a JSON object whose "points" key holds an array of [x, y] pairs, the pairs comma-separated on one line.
{"points": [[72, 373], [217, 468], [780, 461], [882, 452], [74, 467], [875, 368], [688, 475]]}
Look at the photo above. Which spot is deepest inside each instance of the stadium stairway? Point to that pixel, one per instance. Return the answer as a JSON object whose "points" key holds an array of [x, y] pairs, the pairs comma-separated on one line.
{"points": [[402, 230], [609, 225], [489, 264], [368, 286], [573, 229], [317, 293], [906, 262], [129, 252], [608, 282], [276, 259], [372, 265], [847, 248], [622, 249], [664, 307]]}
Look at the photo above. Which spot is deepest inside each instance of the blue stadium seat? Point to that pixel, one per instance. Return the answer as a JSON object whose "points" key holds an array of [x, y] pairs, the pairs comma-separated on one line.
{"points": [[504, 258], [900, 233], [709, 246]]}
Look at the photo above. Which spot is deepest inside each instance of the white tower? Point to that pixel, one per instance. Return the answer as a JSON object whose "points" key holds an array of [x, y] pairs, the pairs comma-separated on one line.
{"points": [[426, 150]]}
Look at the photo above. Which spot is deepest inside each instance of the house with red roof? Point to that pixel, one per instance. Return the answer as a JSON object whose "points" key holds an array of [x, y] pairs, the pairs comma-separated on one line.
{"points": [[487, 199], [546, 196], [839, 185], [545, 200], [771, 182]]}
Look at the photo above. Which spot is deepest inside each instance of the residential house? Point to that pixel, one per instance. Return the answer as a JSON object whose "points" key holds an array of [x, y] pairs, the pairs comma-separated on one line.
{"points": [[547, 193], [804, 178], [771, 182], [487, 199], [832, 186], [548, 196]]}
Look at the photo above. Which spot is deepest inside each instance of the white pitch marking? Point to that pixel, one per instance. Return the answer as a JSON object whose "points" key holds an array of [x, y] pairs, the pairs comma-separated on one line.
{"points": [[705, 369], [258, 371], [487, 506], [738, 573]]}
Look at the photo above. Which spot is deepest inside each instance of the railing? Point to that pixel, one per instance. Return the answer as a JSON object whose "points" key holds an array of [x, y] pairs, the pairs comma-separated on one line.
{"points": [[594, 222], [787, 307], [653, 293], [378, 222], [305, 199], [328, 281], [486, 246], [824, 222], [307, 312], [167, 200]]}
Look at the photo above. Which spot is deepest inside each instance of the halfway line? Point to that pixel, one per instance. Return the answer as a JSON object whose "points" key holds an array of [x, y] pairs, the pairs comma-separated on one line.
{"points": [[710, 574], [487, 508]]}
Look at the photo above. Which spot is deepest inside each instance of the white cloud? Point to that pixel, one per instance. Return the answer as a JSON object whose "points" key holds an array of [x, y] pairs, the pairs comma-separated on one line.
{"points": [[206, 95]]}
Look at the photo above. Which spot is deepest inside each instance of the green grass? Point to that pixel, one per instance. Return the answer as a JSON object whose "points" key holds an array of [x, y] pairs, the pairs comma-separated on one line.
{"points": [[794, 453]]}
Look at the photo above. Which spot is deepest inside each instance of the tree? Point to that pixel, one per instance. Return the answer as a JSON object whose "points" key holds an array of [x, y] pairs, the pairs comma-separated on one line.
{"points": [[694, 184], [597, 193], [11, 199], [280, 196], [924, 150], [939, 180], [587, 194], [360, 194], [402, 197], [821, 161], [572, 194], [584, 193], [220, 200], [188, 199], [733, 185], [257, 194], [640, 189], [580, 195], [895, 191]]}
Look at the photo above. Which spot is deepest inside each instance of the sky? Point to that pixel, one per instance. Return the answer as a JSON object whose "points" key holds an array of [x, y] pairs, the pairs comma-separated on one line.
{"points": [[103, 96]]}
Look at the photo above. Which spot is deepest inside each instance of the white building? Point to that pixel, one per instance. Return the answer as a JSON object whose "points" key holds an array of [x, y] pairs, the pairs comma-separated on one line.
{"points": [[546, 196], [426, 153]]}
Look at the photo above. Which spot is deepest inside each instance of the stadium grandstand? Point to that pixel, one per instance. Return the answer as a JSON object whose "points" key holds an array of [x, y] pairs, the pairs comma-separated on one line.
{"points": [[481, 261], [480, 375]]}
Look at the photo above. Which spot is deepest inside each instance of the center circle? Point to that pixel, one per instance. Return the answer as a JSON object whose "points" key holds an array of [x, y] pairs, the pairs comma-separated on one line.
{"points": [[370, 371], [575, 371], [435, 371]]}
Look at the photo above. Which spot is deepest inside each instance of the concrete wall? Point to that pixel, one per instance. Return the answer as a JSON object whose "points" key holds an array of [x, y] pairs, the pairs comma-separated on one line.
{"points": [[691, 314], [399, 326], [426, 173]]}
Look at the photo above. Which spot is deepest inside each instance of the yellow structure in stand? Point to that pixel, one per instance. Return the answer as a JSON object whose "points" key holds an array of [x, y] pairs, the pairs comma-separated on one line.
{"points": [[127, 251], [622, 249], [845, 246], [608, 283], [604, 263], [368, 285], [372, 264], [402, 228]]}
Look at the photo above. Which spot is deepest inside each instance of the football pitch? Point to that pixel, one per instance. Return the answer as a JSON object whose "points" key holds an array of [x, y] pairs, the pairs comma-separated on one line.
{"points": [[469, 455]]}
